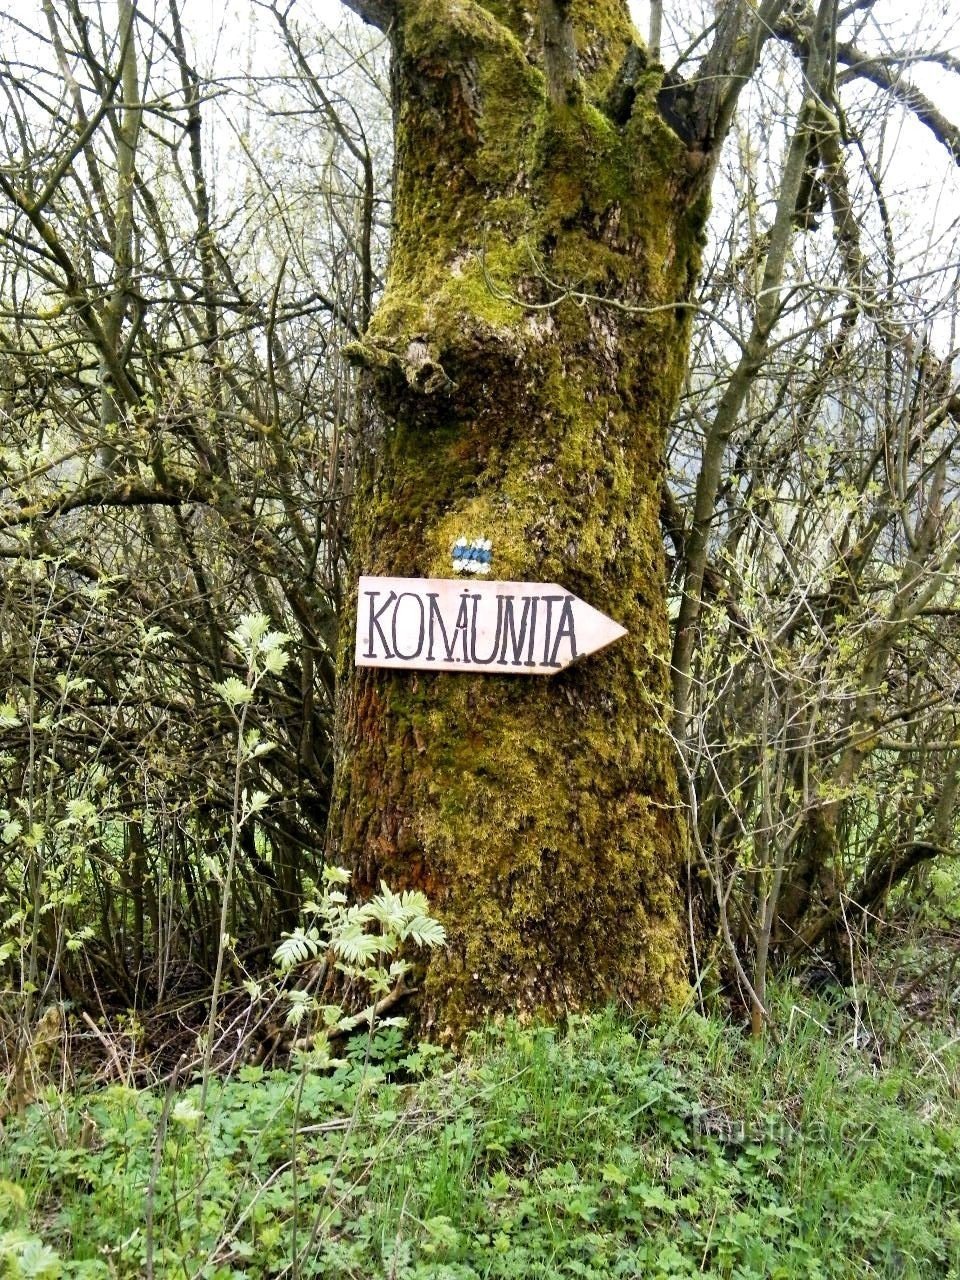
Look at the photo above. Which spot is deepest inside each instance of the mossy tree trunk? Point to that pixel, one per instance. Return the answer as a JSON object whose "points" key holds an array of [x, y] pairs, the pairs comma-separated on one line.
{"points": [[522, 367]]}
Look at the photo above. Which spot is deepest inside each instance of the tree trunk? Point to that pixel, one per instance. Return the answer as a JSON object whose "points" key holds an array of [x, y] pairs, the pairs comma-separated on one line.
{"points": [[522, 367]]}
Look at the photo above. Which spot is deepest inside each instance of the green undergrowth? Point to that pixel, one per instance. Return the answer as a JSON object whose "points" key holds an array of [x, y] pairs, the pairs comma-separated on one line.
{"points": [[604, 1150]]}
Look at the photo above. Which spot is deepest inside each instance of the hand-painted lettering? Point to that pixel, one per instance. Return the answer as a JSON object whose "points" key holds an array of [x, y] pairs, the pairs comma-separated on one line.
{"points": [[436, 620], [566, 630], [462, 625], [375, 616], [549, 601], [405, 627], [492, 656], [438, 624], [509, 630]]}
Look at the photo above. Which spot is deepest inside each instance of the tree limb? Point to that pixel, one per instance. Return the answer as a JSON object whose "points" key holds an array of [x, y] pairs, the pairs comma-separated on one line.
{"points": [[559, 52], [377, 13], [132, 493], [706, 102], [861, 66]]}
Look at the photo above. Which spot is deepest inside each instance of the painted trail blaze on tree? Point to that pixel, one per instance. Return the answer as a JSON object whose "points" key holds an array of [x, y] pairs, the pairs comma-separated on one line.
{"points": [[541, 817], [444, 624]]}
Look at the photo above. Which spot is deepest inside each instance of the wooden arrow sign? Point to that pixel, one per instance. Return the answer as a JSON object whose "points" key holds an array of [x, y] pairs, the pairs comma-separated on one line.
{"points": [[446, 624]]}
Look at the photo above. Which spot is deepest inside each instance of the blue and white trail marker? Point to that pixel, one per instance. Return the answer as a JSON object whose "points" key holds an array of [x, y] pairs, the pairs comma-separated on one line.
{"points": [[446, 624], [472, 557]]}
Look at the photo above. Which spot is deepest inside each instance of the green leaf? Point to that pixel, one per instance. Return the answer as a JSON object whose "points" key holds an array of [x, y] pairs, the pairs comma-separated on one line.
{"points": [[255, 802], [356, 945], [28, 1257], [425, 931], [234, 692], [249, 631], [186, 1113], [296, 947], [274, 660]]}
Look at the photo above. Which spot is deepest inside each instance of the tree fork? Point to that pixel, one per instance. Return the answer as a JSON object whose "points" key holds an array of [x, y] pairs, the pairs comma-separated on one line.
{"points": [[542, 817]]}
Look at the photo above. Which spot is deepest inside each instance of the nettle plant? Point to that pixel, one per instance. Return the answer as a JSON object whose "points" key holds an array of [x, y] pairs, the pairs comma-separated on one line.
{"points": [[365, 942]]}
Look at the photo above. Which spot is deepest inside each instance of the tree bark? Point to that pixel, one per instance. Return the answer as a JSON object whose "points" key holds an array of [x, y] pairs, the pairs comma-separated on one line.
{"points": [[521, 369]]}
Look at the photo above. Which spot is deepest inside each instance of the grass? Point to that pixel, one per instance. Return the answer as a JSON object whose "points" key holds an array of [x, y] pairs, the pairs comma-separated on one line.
{"points": [[605, 1150]]}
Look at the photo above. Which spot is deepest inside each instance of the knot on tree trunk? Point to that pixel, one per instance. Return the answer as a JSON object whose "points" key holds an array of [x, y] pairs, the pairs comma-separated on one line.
{"points": [[419, 365], [423, 369]]}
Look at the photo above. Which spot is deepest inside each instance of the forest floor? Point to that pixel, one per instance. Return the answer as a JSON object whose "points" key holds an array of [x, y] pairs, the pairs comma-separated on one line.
{"points": [[609, 1148]]}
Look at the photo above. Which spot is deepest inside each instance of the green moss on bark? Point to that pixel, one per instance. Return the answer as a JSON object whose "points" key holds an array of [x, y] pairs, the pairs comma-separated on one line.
{"points": [[541, 816]]}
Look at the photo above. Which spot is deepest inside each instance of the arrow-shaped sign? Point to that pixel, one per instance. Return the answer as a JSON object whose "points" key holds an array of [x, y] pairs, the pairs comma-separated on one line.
{"points": [[446, 624]]}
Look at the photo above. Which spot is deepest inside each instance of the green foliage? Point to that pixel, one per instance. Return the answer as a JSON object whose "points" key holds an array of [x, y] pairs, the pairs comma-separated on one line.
{"points": [[400, 917], [364, 941], [600, 1151], [86, 848]]}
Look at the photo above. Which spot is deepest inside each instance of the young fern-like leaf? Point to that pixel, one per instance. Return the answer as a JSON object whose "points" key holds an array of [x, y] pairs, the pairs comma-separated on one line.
{"points": [[424, 931], [356, 946], [387, 909], [362, 941], [414, 902], [301, 1003], [294, 948]]}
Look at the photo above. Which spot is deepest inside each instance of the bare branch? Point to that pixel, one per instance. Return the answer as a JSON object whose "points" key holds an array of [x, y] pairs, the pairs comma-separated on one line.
{"points": [[708, 100], [878, 72]]}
